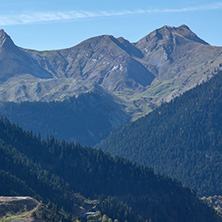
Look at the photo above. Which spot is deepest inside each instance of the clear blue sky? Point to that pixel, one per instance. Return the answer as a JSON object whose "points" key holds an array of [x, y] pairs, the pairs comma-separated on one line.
{"points": [[55, 24]]}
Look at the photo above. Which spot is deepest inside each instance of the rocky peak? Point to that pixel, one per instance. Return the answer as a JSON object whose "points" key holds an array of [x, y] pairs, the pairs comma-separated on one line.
{"points": [[107, 45], [183, 26], [3, 36], [2, 32], [5, 40], [168, 31], [168, 37], [185, 32]]}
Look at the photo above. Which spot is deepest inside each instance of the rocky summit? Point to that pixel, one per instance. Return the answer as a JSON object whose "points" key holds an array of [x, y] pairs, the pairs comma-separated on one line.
{"points": [[142, 75]]}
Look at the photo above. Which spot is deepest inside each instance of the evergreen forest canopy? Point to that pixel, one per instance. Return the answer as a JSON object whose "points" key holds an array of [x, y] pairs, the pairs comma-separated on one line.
{"points": [[87, 119], [50, 170], [182, 138]]}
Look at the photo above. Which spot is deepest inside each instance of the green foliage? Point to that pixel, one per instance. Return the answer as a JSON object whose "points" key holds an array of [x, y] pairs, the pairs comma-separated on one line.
{"points": [[51, 213], [52, 170], [182, 138], [115, 208], [86, 118]]}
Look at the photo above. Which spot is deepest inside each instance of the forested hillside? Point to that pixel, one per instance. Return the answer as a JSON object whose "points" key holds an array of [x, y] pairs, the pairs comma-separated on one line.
{"points": [[86, 119], [52, 171], [182, 138]]}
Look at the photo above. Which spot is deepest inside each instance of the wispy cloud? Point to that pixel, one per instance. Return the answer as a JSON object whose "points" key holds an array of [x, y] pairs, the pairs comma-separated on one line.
{"points": [[43, 17]]}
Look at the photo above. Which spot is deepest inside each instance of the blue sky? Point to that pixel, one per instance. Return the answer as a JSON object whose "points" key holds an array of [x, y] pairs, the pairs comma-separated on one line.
{"points": [[55, 24]]}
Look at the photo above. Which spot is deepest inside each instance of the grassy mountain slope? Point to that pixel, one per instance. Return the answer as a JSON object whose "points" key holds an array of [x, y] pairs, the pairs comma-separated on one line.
{"points": [[181, 138], [52, 170]]}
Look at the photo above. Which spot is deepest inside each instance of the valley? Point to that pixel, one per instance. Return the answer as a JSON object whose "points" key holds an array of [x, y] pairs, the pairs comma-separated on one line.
{"points": [[151, 109]]}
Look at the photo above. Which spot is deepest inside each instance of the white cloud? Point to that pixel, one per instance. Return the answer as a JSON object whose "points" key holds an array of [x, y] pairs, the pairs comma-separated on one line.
{"points": [[41, 17]]}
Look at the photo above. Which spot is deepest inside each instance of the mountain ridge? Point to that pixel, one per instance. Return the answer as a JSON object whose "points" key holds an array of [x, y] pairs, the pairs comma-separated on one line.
{"points": [[88, 119], [156, 69], [181, 138], [14, 61]]}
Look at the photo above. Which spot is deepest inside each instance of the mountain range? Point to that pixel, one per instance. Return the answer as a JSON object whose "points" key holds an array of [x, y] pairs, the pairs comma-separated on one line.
{"points": [[87, 91], [142, 75]]}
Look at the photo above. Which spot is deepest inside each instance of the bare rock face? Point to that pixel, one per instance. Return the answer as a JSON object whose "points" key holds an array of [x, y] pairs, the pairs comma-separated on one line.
{"points": [[160, 66], [179, 59], [164, 48], [102, 60], [15, 61]]}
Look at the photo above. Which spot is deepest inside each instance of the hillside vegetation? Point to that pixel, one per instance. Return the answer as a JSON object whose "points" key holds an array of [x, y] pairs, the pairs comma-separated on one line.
{"points": [[16, 206], [87, 119], [27, 209], [182, 138], [50, 170]]}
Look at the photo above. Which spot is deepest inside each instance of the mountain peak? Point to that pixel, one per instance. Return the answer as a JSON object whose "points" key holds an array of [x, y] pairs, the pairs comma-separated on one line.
{"points": [[2, 31], [183, 26], [170, 34], [3, 35], [183, 31], [167, 27], [5, 40]]}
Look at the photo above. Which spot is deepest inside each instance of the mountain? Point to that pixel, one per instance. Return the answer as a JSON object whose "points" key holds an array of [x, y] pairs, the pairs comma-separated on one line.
{"points": [[103, 60], [52, 171], [157, 68], [14, 61], [181, 138], [87, 119], [179, 59]]}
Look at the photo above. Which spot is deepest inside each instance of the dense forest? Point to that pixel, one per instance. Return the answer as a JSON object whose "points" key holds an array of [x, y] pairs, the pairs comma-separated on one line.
{"points": [[52, 170], [87, 119], [182, 138]]}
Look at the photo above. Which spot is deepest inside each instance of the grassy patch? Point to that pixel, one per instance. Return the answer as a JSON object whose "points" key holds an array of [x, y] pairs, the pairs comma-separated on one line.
{"points": [[160, 89], [11, 217]]}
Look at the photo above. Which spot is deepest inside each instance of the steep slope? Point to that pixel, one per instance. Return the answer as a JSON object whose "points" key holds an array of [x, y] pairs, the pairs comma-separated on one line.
{"points": [[15, 61], [140, 194], [179, 59], [102, 60], [165, 48], [157, 68], [181, 139], [87, 119], [106, 61]]}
